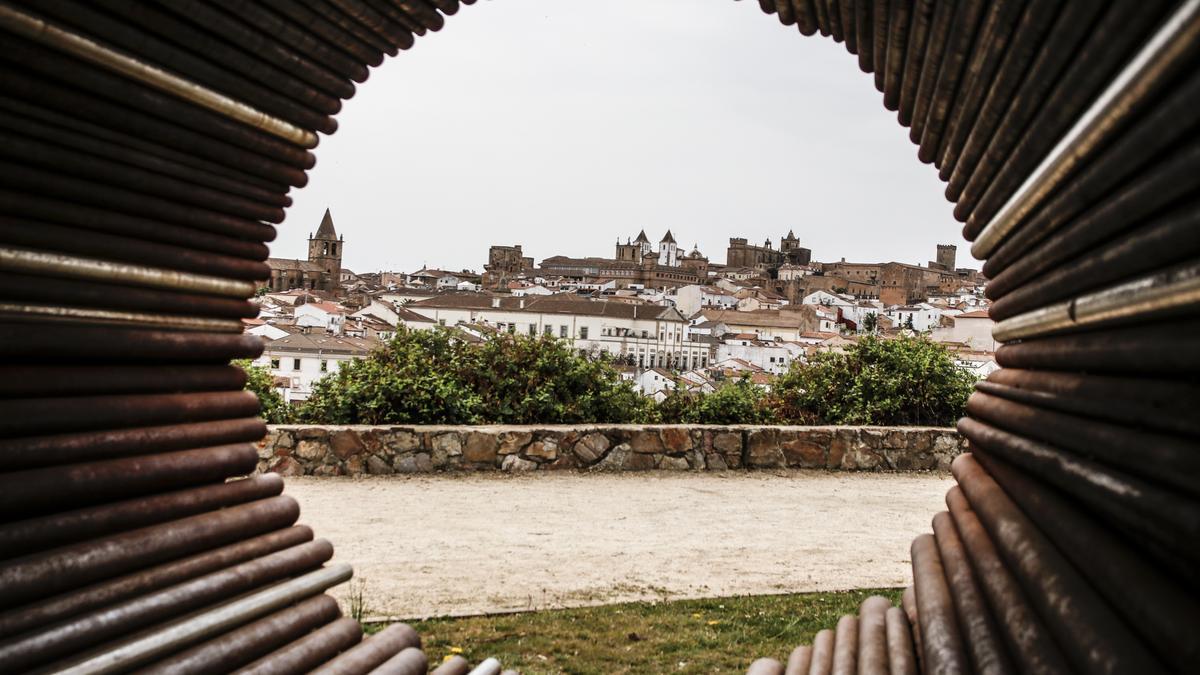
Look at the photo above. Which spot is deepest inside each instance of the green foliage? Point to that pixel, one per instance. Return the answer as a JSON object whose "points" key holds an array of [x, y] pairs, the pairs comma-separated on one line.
{"points": [[870, 322], [273, 408], [428, 377], [905, 381], [734, 402]]}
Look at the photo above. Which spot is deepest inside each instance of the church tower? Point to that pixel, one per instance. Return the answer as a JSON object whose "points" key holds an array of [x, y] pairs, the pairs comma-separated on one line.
{"points": [[325, 249]]}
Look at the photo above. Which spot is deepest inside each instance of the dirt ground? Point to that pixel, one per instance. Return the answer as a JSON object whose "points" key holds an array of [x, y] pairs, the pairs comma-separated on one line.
{"points": [[438, 545]]}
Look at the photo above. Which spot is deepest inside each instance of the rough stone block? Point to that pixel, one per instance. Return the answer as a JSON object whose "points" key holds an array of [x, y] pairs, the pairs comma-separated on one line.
{"points": [[480, 447], [545, 449], [646, 441], [763, 451], [805, 449], [515, 463], [512, 442], [311, 449], [448, 443], [591, 448], [346, 443], [287, 466], [676, 440]]}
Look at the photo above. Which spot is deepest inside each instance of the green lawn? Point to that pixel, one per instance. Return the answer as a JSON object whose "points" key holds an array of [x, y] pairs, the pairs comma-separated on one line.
{"points": [[685, 636]]}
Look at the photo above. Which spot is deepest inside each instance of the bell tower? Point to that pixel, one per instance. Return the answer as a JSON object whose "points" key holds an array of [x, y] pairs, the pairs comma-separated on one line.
{"points": [[325, 249]]}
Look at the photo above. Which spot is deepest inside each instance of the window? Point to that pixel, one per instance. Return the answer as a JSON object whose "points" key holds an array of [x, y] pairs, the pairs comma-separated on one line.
{"points": [[441, 322], [549, 330], [512, 328], [275, 364], [533, 330], [562, 331], [324, 366], [295, 364], [583, 332]]}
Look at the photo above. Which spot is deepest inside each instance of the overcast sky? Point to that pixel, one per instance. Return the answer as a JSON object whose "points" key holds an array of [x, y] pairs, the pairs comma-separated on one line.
{"points": [[563, 125]]}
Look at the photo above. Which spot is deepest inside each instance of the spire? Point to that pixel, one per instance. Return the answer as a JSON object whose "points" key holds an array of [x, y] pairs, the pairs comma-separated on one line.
{"points": [[326, 231], [791, 237], [641, 238], [667, 238]]}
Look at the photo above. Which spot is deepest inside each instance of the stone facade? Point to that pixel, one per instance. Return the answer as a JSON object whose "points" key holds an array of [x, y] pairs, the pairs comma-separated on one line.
{"points": [[357, 450]]}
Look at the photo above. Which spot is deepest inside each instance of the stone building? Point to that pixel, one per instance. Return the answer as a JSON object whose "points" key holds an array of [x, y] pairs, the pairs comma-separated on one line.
{"points": [[323, 269], [767, 259], [504, 264]]}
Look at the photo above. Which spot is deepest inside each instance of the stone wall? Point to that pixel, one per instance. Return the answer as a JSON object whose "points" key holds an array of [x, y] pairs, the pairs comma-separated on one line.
{"points": [[355, 450]]}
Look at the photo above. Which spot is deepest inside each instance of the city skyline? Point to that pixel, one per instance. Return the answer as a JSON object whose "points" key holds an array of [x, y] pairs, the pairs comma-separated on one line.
{"points": [[476, 137]]}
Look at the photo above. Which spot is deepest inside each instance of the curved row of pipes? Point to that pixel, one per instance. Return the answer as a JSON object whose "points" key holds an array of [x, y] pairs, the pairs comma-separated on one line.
{"points": [[146, 154]]}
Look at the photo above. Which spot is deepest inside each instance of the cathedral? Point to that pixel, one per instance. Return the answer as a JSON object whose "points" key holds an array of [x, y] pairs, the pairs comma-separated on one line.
{"points": [[323, 269]]}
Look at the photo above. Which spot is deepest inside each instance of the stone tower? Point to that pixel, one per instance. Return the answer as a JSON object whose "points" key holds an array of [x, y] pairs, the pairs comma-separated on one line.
{"points": [[946, 256], [325, 249]]}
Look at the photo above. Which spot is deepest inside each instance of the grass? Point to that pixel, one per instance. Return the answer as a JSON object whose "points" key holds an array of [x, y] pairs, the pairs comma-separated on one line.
{"points": [[685, 636]]}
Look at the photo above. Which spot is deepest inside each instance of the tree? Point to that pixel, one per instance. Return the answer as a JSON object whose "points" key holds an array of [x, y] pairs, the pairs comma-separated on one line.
{"points": [[431, 377], [734, 402], [272, 407], [870, 322], [905, 381]]}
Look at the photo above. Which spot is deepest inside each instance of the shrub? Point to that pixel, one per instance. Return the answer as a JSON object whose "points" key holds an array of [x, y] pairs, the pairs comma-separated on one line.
{"points": [[734, 402], [904, 381], [272, 407]]}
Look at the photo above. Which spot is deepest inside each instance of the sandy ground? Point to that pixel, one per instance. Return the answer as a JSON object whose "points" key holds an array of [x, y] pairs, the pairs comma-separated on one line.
{"points": [[436, 545]]}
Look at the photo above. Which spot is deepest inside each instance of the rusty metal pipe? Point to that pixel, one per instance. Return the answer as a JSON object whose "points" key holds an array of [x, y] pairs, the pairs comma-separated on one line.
{"points": [[845, 646], [26, 536], [392, 33], [901, 657], [147, 580], [822, 653], [410, 661], [1164, 350], [212, 252], [799, 661], [899, 25], [489, 666], [914, 58], [880, 19], [56, 343], [872, 636], [241, 646], [41, 451], [329, 13], [48, 290], [455, 665], [984, 645], [300, 15], [126, 617], [372, 652], [1091, 635], [304, 39], [23, 579], [1029, 642], [864, 14], [967, 16], [309, 651], [56, 381], [1142, 509], [95, 245], [765, 666], [1135, 588], [37, 491], [941, 640], [33, 415], [931, 65]]}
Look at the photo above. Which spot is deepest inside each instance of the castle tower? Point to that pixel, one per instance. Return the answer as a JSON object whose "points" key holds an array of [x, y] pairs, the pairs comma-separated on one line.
{"points": [[325, 249], [946, 256], [643, 244], [668, 251]]}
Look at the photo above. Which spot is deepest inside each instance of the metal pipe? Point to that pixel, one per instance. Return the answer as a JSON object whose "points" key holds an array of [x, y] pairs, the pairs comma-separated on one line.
{"points": [[910, 78], [300, 15], [822, 653], [1029, 643], [845, 646], [863, 16], [38, 491], [55, 291], [32, 341], [941, 641], [73, 267], [409, 661], [201, 245], [967, 15], [799, 661], [61, 569], [332, 56], [26, 536], [902, 659], [29, 416], [1093, 638], [1165, 459], [50, 450], [56, 381], [983, 643], [931, 64], [453, 665], [372, 652], [901, 15], [1136, 589], [239, 647], [35, 29], [488, 666], [872, 636], [1168, 51], [1142, 509], [1163, 349], [765, 666], [142, 649], [309, 651], [87, 630], [88, 315], [146, 580], [879, 38]]}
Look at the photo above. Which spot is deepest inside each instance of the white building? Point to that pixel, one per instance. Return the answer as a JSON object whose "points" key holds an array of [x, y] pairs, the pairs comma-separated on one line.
{"points": [[923, 316], [693, 298], [971, 328], [639, 334], [298, 360], [771, 356], [324, 315]]}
